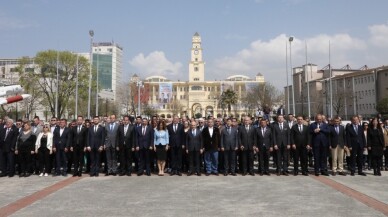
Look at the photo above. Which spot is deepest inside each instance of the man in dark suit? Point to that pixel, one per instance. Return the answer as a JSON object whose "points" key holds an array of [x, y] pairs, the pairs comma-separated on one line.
{"points": [[194, 147], [300, 142], [211, 143], [176, 145], [281, 133], [337, 145], [263, 146], [229, 146], [62, 140], [355, 139], [77, 147], [111, 144], [145, 140], [246, 136], [320, 141], [8, 138], [96, 139], [127, 141]]}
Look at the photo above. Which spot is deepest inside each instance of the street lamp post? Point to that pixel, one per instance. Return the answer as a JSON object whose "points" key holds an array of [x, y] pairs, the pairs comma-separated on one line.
{"points": [[91, 34], [290, 39], [76, 90], [139, 85], [97, 85], [288, 88]]}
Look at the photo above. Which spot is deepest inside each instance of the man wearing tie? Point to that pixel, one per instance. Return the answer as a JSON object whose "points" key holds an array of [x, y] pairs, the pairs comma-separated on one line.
{"points": [[127, 140], [62, 140], [263, 146], [229, 146], [281, 133], [355, 139], [211, 141], [176, 145], [80, 135], [8, 138], [300, 142], [111, 144], [320, 141], [246, 136], [145, 139], [337, 145], [194, 147], [96, 138]]}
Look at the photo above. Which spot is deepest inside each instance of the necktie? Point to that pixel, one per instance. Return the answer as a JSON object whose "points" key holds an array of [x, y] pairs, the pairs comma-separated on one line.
{"points": [[6, 134], [174, 128], [95, 129], [318, 126], [228, 130], [111, 127], [263, 131], [356, 129], [125, 130], [281, 127], [193, 132], [79, 128], [337, 129], [143, 131], [300, 128]]}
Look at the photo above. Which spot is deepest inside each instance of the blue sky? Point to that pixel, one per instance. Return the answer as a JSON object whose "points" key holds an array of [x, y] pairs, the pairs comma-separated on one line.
{"points": [[238, 36]]}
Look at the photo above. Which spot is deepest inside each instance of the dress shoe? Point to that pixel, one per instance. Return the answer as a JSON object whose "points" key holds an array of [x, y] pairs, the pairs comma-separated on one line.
{"points": [[225, 174], [207, 174], [148, 173], [27, 174], [261, 173], [10, 175], [295, 173], [121, 174], [129, 174], [342, 173], [267, 173], [278, 173], [107, 174], [189, 173], [3, 175], [79, 174], [352, 173], [244, 174], [74, 174], [216, 174], [378, 173], [139, 174], [179, 173], [333, 173], [361, 174], [316, 174], [91, 174], [304, 173], [234, 174], [96, 174], [173, 173], [251, 173], [198, 174], [284, 173], [325, 174], [114, 174]]}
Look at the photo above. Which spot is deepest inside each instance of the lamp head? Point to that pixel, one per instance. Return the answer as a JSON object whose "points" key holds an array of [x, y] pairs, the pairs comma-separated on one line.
{"points": [[91, 33], [290, 39]]}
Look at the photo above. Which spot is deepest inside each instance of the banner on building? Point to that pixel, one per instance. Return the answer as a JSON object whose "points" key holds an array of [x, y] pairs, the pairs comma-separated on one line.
{"points": [[165, 92]]}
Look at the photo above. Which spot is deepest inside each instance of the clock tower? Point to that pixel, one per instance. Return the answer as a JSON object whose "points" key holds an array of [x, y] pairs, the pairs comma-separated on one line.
{"points": [[196, 65]]}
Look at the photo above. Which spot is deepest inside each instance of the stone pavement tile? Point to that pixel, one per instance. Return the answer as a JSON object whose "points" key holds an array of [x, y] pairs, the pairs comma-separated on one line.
{"points": [[198, 196], [373, 186], [12, 189]]}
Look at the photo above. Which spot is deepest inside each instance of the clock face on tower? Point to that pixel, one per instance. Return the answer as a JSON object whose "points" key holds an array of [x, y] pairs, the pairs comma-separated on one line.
{"points": [[196, 52]]}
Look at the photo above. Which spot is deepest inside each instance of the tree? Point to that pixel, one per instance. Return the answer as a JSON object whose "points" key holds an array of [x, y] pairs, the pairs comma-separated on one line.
{"points": [[148, 110], [175, 107], [46, 78], [261, 96], [229, 98], [30, 86], [124, 94], [339, 101], [382, 106]]}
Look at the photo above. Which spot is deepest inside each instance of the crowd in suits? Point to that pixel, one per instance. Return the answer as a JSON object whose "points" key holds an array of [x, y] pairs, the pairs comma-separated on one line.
{"points": [[177, 146]]}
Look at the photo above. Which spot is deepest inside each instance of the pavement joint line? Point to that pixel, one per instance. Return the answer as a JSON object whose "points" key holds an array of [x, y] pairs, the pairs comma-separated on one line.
{"points": [[361, 197], [32, 198]]}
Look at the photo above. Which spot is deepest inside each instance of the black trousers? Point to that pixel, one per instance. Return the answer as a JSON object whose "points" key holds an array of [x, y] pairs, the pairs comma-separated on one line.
{"points": [[44, 159], [194, 161], [176, 158], [300, 154], [377, 162], [229, 161], [247, 161], [386, 157], [144, 160], [78, 159], [282, 158], [320, 157], [7, 162], [24, 161], [94, 161], [356, 156], [126, 160], [61, 160], [264, 159]]}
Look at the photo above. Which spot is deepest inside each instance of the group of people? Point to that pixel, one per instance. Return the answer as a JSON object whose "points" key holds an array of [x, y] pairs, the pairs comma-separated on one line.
{"points": [[192, 146]]}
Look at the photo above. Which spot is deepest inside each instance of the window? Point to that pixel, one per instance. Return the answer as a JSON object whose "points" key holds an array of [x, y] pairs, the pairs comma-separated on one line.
{"points": [[195, 69], [196, 88], [196, 59], [110, 50], [196, 79]]}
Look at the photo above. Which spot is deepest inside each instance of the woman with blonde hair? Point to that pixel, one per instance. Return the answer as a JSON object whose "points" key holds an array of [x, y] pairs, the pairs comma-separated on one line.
{"points": [[43, 147]]}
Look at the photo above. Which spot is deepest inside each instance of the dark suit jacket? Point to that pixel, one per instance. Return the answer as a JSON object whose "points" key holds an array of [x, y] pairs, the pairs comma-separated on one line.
{"points": [[176, 139], [266, 140], [62, 141], [246, 139], [111, 136], [211, 143], [354, 139], [300, 139], [376, 142], [320, 138], [127, 140], [79, 139], [194, 143], [147, 140], [337, 139], [10, 142], [96, 139], [229, 141], [281, 137]]}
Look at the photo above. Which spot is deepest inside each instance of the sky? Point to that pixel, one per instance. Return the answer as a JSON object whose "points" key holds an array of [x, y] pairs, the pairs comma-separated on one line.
{"points": [[238, 36]]}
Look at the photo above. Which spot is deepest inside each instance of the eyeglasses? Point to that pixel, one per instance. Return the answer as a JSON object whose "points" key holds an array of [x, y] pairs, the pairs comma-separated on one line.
{"points": [[53, 120], [45, 127]]}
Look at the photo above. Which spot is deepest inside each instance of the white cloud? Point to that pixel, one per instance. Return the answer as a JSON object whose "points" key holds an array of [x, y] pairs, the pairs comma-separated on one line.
{"points": [[379, 35], [155, 63], [269, 57]]}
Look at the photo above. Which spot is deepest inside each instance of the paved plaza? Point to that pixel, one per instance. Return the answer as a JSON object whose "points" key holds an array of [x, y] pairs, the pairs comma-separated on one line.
{"points": [[195, 196]]}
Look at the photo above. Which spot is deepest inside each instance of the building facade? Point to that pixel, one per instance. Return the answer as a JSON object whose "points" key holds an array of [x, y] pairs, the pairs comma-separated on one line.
{"points": [[197, 97]]}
